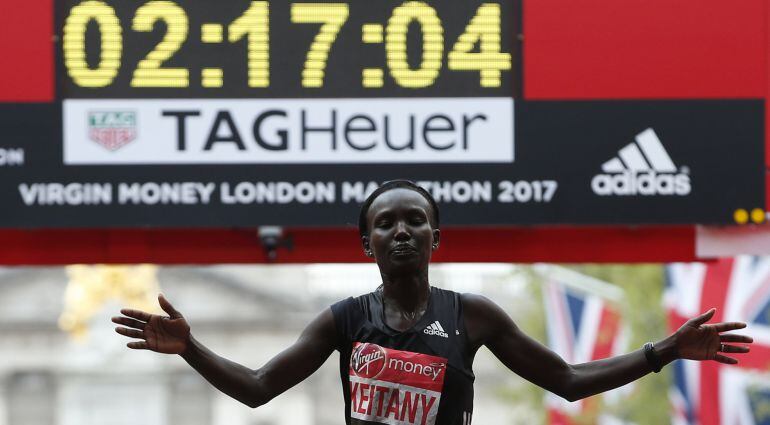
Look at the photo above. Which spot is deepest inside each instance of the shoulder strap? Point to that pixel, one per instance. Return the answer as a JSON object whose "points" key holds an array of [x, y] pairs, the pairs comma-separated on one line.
{"points": [[343, 322], [350, 314]]}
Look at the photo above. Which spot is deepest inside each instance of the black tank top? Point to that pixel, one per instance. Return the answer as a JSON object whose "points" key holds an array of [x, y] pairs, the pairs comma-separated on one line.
{"points": [[421, 376]]}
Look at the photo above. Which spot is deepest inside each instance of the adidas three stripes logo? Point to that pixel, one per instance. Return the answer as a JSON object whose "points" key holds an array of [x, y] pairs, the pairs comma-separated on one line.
{"points": [[435, 329], [643, 167]]}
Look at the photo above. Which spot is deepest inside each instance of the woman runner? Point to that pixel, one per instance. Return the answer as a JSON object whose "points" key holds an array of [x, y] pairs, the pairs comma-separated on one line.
{"points": [[407, 349]]}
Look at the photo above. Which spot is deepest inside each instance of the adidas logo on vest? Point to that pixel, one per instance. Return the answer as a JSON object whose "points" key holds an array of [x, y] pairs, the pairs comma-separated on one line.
{"points": [[641, 168], [435, 329]]}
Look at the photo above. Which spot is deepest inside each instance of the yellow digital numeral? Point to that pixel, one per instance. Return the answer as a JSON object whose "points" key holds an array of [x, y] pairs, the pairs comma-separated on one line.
{"points": [[211, 33], [432, 44], [484, 30], [371, 33], [74, 44], [255, 25], [372, 77], [212, 77], [332, 16], [148, 72]]}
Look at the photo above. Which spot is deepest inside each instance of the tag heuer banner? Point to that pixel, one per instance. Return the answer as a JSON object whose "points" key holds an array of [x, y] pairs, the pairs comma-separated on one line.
{"points": [[311, 162]]}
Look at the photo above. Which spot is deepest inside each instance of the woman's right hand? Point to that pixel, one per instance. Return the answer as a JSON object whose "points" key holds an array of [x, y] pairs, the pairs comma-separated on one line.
{"points": [[170, 335]]}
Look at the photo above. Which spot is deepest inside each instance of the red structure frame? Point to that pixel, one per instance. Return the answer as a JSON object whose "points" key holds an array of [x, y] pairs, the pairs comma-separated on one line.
{"points": [[336, 245]]}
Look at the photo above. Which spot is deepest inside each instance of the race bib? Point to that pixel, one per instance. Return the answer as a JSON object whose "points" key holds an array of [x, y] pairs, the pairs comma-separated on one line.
{"points": [[395, 387]]}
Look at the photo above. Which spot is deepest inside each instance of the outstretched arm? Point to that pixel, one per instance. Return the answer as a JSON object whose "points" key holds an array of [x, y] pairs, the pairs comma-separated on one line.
{"points": [[252, 387], [487, 324]]}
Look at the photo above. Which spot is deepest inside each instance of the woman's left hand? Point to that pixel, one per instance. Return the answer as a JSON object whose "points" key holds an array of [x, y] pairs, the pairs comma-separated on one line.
{"points": [[696, 340]]}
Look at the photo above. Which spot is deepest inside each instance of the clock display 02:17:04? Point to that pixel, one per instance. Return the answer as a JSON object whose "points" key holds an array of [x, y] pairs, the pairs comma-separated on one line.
{"points": [[477, 49]]}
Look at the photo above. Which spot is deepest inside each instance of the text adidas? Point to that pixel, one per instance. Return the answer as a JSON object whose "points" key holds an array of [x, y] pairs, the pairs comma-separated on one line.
{"points": [[641, 183], [435, 328], [435, 332], [642, 167]]}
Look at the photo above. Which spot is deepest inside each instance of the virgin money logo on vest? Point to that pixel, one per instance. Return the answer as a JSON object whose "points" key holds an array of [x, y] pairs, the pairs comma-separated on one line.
{"points": [[642, 168], [368, 360], [395, 387]]}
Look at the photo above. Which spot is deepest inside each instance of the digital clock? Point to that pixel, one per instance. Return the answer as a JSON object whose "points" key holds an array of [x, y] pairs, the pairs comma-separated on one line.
{"points": [[275, 49]]}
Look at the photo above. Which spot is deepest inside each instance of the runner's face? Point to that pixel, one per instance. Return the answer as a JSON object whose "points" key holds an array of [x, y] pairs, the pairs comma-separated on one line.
{"points": [[401, 237]]}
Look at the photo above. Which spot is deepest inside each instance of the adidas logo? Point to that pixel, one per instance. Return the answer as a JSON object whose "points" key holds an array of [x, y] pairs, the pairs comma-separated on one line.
{"points": [[435, 329], [641, 168]]}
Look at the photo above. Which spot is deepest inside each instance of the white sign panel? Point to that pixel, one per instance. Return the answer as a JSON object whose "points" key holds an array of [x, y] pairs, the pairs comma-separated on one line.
{"points": [[288, 131]]}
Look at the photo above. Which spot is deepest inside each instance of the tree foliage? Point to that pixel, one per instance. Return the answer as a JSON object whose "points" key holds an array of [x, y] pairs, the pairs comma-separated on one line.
{"points": [[642, 312]]}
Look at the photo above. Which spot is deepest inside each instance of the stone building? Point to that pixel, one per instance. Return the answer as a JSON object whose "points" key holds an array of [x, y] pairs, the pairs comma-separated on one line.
{"points": [[245, 313]]}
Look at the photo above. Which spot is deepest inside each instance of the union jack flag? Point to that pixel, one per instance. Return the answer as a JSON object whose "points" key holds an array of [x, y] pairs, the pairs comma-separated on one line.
{"points": [[582, 326], [705, 393]]}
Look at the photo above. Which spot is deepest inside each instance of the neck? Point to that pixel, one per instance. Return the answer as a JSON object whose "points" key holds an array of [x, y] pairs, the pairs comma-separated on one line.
{"points": [[408, 293]]}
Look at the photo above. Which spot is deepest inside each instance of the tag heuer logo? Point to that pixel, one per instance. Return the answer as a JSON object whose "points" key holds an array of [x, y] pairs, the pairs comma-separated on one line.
{"points": [[112, 129]]}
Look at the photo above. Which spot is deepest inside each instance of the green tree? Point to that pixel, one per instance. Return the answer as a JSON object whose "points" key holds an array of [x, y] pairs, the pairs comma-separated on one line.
{"points": [[644, 315]]}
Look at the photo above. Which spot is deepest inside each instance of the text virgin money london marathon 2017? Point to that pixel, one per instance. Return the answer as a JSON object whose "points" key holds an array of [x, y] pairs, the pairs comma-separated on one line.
{"points": [[238, 193]]}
